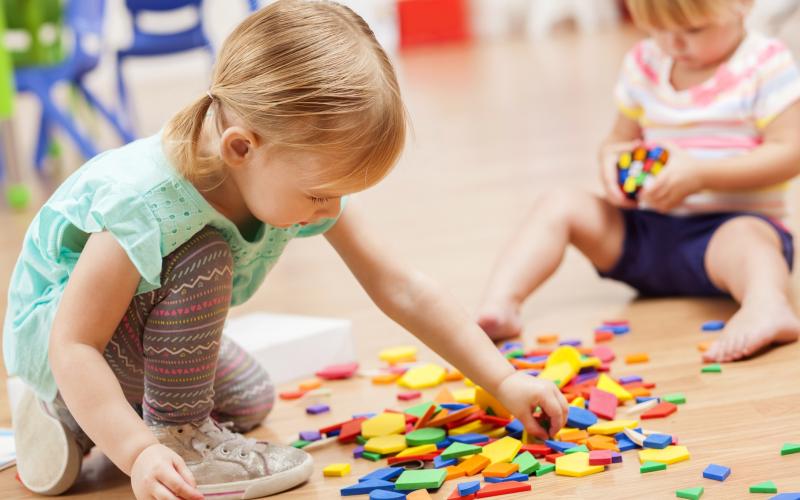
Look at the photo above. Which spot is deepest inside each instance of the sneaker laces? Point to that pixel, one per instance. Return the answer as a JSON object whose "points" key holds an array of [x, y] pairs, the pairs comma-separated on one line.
{"points": [[221, 433]]}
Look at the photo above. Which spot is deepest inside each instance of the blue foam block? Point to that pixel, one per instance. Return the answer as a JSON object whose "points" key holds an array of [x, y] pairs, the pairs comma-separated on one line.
{"points": [[365, 487], [658, 441], [717, 472], [580, 418], [468, 488]]}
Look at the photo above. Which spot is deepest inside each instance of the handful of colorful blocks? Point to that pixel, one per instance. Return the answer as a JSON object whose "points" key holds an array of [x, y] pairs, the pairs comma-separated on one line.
{"points": [[635, 168]]}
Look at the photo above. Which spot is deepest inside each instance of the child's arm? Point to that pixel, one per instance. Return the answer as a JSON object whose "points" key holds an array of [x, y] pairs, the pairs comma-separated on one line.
{"points": [[95, 299], [776, 160], [625, 135], [419, 305]]}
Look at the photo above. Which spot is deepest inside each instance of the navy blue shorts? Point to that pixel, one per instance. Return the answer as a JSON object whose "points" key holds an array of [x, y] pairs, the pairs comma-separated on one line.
{"points": [[665, 255]]}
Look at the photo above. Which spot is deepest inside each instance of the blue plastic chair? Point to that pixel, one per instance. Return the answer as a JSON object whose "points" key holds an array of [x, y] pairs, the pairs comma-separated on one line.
{"points": [[147, 44], [84, 19]]}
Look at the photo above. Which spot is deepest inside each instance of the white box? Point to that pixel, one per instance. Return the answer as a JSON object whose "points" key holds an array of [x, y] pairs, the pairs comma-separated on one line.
{"points": [[290, 347]]}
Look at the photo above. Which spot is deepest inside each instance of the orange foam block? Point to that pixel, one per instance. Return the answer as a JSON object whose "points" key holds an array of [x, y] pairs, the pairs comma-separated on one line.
{"points": [[310, 385], [639, 357], [500, 470], [474, 464], [547, 338]]}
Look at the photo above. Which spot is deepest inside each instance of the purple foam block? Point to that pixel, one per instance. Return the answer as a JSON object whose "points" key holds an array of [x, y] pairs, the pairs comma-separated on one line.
{"points": [[358, 451], [310, 436], [572, 342], [629, 379], [317, 409], [616, 458]]}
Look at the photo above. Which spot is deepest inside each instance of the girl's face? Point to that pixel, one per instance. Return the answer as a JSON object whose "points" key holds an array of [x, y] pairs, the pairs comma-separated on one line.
{"points": [[278, 187], [704, 45]]}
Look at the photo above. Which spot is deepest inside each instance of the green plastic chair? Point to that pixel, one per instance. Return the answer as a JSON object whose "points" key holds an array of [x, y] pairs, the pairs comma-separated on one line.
{"points": [[40, 23], [18, 194]]}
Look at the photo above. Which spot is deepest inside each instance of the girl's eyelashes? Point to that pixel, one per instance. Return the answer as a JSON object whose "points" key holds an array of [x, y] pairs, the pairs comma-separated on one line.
{"points": [[318, 201]]}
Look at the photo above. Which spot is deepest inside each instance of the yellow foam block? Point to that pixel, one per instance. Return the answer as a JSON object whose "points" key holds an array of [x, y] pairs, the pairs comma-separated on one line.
{"points": [[417, 450], [468, 382], [503, 450], [576, 465], [383, 425], [565, 354], [398, 354], [560, 373], [606, 383], [590, 362], [579, 402], [420, 377], [669, 455], [487, 401], [384, 445], [336, 470], [612, 426], [476, 426], [496, 433], [466, 396]]}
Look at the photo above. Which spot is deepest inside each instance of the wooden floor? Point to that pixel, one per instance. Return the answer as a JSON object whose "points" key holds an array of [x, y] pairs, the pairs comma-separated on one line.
{"points": [[493, 125]]}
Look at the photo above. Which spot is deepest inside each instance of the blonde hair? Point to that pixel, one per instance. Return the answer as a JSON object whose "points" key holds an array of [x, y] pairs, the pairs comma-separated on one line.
{"points": [[303, 75], [679, 14]]}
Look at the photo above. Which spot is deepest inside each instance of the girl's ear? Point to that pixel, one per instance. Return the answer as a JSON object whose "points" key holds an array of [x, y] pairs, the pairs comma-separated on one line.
{"points": [[236, 145]]}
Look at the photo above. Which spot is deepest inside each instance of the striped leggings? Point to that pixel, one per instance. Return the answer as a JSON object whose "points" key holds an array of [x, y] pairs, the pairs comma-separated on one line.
{"points": [[169, 354]]}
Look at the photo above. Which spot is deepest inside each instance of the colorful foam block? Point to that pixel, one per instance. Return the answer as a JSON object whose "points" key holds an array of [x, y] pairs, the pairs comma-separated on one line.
{"points": [[690, 493], [317, 409], [669, 455], [603, 404], [383, 425], [384, 474], [474, 464], [420, 479], [399, 354], [497, 489], [580, 418], [468, 487], [419, 495], [652, 467], [612, 427], [500, 469], [365, 487], [409, 395], [790, 448], [657, 441], [712, 368], [336, 470], [713, 326], [456, 450], [600, 457], [765, 487], [660, 410], [526, 462], [502, 450], [338, 372], [639, 357], [716, 472], [420, 377], [416, 451], [490, 404], [674, 398], [513, 477], [386, 495], [428, 435], [576, 465], [606, 383]]}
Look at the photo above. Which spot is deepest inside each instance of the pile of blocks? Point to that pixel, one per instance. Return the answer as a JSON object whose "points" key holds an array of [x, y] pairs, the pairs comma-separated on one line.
{"points": [[468, 435]]}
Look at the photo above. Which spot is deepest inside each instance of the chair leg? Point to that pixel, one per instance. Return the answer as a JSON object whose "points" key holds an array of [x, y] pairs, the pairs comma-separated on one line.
{"points": [[112, 117], [87, 149], [42, 141], [122, 96]]}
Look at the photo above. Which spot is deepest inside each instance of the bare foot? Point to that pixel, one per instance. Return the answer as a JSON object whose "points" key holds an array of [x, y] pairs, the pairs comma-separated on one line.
{"points": [[500, 321], [757, 324]]}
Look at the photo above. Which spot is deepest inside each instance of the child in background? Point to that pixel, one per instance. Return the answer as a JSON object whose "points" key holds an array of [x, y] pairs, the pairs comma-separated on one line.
{"points": [[724, 102], [119, 296]]}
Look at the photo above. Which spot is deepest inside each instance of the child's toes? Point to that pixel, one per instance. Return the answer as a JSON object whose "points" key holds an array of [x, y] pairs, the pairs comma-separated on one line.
{"points": [[714, 352]]}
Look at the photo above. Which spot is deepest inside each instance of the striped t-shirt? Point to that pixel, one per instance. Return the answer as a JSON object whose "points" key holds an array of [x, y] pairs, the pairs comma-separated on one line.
{"points": [[724, 116]]}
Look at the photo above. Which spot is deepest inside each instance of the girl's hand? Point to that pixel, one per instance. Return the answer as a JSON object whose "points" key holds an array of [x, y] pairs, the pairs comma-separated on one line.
{"points": [[679, 178], [608, 156], [521, 394], [161, 474]]}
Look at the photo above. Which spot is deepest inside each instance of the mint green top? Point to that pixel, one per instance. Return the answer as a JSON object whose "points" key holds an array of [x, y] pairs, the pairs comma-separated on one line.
{"points": [[135, 194]]}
